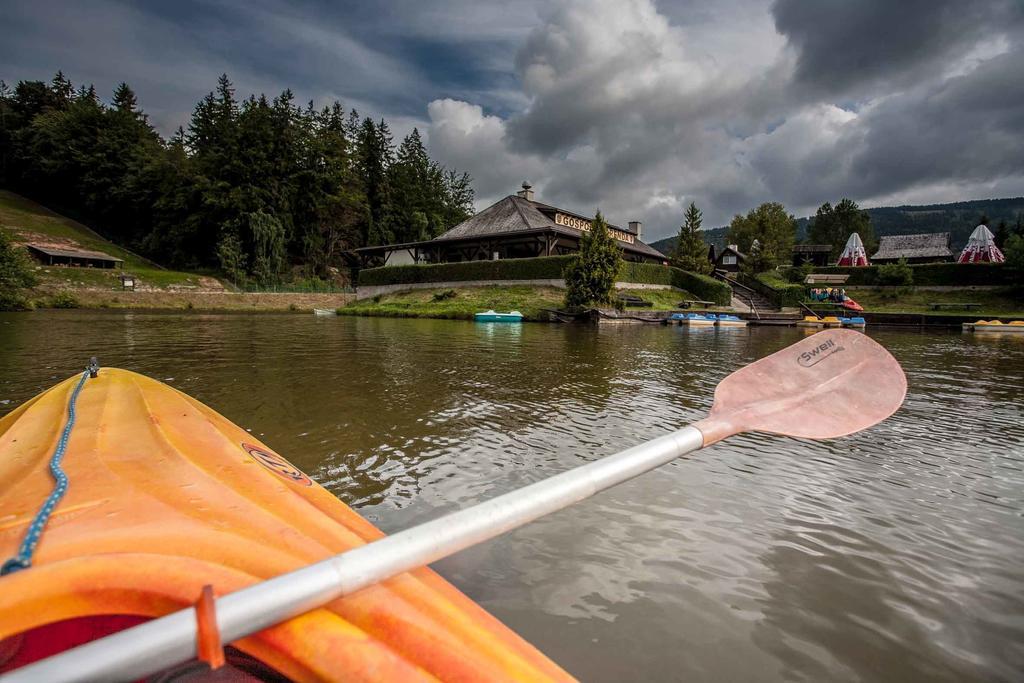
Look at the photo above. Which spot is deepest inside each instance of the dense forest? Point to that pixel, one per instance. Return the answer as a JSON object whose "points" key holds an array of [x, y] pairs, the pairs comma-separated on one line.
{"points": [[958, 219], [262, 188]]}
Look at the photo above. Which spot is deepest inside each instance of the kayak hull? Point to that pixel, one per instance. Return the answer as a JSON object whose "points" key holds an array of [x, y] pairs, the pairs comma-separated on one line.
{"points": [[166, 496]]}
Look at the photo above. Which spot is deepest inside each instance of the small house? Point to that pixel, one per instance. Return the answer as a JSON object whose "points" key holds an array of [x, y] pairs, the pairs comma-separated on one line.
{"points": [[930, 247], [729, 259]]}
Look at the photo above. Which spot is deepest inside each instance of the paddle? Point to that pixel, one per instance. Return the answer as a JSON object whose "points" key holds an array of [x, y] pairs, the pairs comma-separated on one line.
{"points": [[830, 384]]}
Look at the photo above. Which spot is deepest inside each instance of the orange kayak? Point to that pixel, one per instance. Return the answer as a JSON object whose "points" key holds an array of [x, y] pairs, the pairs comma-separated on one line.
{"points": [[165, 496]]}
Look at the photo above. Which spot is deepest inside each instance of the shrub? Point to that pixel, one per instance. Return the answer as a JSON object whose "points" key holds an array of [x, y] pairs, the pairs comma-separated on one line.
{"points": [[63, 300], [799, 274], [15, 275], [899, 274], [443, 295], [14, 301]]}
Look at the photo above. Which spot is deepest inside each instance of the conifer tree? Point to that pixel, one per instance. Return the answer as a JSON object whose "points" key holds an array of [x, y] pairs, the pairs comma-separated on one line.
{"points": [[833, 225], [590, 276], [691, 253]]}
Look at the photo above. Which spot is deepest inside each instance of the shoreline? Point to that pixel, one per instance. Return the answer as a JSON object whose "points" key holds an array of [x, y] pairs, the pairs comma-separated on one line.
{"points": [[211, 301]]}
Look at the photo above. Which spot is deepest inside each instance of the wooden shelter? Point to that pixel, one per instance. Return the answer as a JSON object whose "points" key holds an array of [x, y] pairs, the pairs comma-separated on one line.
{"points": [[514, 227], [815, 254], [53, 256], [925, 248]]}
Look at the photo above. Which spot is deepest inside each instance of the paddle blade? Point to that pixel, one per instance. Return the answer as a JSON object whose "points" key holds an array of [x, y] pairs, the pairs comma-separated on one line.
{"points": [[830, 384]]}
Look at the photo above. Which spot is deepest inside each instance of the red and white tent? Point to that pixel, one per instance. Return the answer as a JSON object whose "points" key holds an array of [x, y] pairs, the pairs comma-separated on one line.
{"points": [[853, 253], [981, 248]]}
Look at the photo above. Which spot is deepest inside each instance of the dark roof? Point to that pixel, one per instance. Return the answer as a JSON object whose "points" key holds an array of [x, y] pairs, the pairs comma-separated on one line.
{"points": [[731, 248], [928, 245], [811, 248], [518, 215], [74, 253]]}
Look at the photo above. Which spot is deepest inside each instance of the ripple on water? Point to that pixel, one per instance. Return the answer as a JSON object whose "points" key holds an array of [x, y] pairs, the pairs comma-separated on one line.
{"points": [[893, 554]]}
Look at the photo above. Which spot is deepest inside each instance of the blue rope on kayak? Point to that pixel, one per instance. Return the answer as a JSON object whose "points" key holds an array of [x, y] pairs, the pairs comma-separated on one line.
{"points": [[23, 560]]}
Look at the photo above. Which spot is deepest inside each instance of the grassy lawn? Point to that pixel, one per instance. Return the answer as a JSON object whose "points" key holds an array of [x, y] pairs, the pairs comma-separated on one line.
{"points": [[26, 221], [423, 303], [530, 301]]}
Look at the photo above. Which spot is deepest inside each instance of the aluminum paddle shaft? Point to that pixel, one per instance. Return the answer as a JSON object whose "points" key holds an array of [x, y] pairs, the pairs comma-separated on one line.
{"points": [[170, 640]]}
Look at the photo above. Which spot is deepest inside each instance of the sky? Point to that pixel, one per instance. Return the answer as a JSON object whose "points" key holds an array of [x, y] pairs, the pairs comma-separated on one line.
{"points": [[633, 107]]}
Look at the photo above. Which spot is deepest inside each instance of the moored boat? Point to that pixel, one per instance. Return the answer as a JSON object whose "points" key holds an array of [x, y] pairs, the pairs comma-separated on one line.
{"points": [[1014, 326], [726, 320], [165, 496], [693, 319], [811, 321], [495, 317], [831, 321], [855, 321], [852, 305], [324, 312]]}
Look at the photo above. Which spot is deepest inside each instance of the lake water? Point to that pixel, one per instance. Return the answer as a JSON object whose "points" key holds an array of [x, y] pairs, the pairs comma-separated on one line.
{"points": [[893, 555]]}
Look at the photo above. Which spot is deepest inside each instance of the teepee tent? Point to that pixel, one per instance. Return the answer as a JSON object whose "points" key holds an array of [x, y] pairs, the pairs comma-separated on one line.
{"points": [[853, 253], [981, 248]]}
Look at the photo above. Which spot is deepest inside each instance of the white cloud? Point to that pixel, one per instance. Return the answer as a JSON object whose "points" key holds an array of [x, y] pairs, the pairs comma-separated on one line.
{"points": [[639, 114]]}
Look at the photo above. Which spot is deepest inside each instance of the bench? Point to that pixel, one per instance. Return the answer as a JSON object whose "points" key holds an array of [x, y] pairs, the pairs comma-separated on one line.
{"points": [[635, 302], [687, 303], [937, 306], [825, 279]]}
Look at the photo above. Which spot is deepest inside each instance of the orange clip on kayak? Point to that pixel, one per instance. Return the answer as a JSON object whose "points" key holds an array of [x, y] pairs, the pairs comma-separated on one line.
{"points": [[166, 496]]}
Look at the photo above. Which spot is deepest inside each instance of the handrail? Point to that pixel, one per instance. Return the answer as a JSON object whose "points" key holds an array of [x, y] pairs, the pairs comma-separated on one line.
{"points": [[734, 283]]}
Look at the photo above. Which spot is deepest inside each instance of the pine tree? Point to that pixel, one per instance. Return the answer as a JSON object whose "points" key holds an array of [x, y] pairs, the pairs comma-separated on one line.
{"points": [[590, 276], [125, 100], [691, 253], [62, 90], [376, 154], [1002, 233]]}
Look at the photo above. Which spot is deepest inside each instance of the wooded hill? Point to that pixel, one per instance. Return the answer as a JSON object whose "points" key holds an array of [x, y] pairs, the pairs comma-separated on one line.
{"points": [[261, 188], [958, 218]]}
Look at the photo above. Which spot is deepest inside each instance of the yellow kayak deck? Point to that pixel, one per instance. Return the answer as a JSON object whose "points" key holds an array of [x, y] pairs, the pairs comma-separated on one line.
{"points": [[166, 495]]}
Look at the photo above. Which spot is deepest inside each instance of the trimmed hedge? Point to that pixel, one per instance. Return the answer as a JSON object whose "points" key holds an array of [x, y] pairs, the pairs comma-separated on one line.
{"points": [[778, 291], [704, 286], [935, 274], [542, 268]]}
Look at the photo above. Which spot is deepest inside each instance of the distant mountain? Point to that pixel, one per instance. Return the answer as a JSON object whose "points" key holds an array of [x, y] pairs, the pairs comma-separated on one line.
{"points": [[958, 218]]}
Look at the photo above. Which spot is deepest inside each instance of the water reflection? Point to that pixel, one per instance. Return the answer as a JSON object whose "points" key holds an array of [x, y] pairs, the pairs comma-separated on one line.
{"points": [[889, 555]]}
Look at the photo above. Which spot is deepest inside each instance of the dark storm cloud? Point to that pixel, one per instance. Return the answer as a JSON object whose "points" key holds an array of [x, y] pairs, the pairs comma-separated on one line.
{"points": [[387, 59], [845, 45]]}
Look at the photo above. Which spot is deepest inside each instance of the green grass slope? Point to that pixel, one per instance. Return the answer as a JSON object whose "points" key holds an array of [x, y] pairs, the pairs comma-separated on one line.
{"points": [[26, 221]]}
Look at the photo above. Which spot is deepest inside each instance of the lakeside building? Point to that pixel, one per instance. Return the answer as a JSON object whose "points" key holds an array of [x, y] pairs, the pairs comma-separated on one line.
{"points": [[930, 247], [53, 256], [517, 226], [729, 259], [815, 254]]}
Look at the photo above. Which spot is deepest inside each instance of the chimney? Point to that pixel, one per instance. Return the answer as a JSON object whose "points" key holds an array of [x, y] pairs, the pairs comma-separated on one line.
{"points": [[527, 191], [637, 227]]}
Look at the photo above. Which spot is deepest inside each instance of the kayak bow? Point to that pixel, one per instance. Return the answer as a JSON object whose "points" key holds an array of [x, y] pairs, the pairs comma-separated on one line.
{"points": [[165, 495]]}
